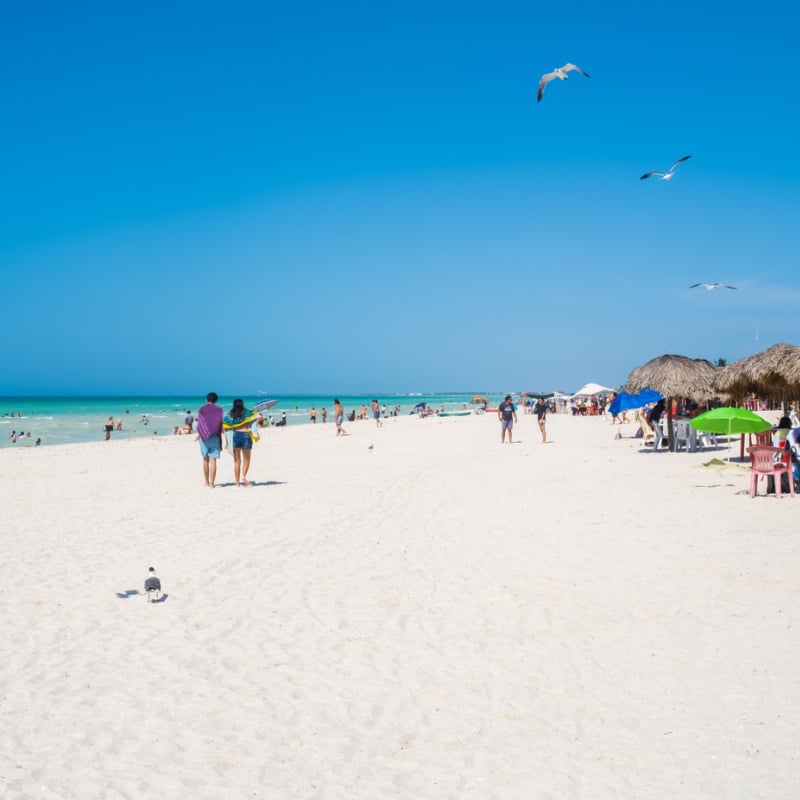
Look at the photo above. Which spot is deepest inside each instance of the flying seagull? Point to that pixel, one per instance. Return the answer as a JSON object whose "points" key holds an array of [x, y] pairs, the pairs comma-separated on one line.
{"points": [[669, 174], [152, 585], [711, 286], [558, 72]]}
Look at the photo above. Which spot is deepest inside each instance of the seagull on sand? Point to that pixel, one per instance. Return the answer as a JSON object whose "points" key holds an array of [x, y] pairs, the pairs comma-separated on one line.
{"points": [[560, 73], [152, 585], [669, 174], [711, 286]]}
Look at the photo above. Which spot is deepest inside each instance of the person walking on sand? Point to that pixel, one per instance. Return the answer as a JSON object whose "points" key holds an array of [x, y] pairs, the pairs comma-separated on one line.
{"points": [[209, 432], [338, 416], [540, 410], [242, 441], [507, 414], [376, 413]]}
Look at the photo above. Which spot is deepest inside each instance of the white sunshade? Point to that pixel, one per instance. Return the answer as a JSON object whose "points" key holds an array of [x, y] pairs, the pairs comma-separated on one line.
{"points": [[592, 388]]}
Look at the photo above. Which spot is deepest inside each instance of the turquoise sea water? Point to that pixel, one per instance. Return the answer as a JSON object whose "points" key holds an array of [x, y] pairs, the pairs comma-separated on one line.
{"points": [[64, 420]]}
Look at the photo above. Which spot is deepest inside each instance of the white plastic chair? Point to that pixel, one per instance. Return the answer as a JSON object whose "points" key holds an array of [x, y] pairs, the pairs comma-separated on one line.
{"points": [[707, 441], [659, 436], [684, 437]]}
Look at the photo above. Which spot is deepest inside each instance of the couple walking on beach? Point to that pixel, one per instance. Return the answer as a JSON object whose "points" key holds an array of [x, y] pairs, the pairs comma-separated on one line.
{"points": [[210, 419], [507, 414]]}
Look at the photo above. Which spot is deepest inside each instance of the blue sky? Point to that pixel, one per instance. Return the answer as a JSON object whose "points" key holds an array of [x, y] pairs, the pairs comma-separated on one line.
{"points": [[366, 197]]}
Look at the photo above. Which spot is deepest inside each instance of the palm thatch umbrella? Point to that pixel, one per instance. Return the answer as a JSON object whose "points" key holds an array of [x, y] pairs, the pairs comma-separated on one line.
{"points": [[772, 373], [675, 376]]}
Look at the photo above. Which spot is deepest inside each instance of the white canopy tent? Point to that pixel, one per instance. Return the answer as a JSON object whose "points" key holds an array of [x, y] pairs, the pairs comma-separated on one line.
{"points": [[592, 389]]}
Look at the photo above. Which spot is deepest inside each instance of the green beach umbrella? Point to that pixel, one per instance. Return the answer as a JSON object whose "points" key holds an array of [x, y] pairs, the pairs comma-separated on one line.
{"points": [[729, 421]]}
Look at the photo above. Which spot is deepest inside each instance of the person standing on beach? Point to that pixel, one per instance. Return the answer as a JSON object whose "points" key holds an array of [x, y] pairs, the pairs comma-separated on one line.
{"points": [[338, 416], [324, 414], [507, 414], [209, 431], [242, 441], [109, 427], [376, 413], [656, 411], [540, 410], [313, 415]]}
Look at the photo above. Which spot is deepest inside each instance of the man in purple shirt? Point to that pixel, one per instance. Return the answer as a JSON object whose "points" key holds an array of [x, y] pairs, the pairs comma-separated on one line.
{"points": [[209, 431]]}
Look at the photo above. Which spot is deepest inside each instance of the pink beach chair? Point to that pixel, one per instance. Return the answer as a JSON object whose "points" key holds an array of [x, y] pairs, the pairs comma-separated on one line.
{"points": [[767, 460], [762, 437]]}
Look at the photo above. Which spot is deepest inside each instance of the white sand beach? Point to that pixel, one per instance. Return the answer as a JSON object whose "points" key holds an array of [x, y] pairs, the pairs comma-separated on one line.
{"points": [[415, 611]]}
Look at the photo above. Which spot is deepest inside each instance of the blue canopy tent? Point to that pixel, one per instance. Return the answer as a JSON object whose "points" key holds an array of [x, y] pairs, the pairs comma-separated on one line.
{"points": [[624, 401]]}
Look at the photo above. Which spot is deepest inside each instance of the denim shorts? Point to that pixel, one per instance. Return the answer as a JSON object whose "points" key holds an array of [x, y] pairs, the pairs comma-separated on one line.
{"points": [[242, 440], [210, 448]]}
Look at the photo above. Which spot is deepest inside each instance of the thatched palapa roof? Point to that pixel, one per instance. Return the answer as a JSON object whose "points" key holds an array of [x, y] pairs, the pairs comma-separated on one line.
{"points": [[675, 376], [772, 373]]}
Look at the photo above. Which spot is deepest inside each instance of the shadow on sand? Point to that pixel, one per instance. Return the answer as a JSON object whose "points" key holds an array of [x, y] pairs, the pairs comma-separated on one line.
{"points": [[135, 593]]}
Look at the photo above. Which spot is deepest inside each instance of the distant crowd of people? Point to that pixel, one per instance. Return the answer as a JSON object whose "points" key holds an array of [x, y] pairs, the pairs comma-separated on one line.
{"points": [[376, 411], [22, 436], [18, 437]]}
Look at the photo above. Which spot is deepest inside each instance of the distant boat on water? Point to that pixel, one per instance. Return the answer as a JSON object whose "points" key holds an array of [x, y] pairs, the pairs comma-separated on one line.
{"points": [[456, 413]]}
